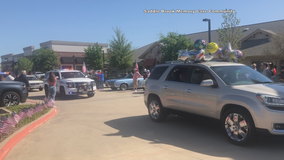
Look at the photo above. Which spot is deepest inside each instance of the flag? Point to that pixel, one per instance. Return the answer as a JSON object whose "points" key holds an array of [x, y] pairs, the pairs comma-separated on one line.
{"points": [[5, 128], [30, 113], [84, 67], [136, 66], [17, 118], [11, 121], [22, 114]]}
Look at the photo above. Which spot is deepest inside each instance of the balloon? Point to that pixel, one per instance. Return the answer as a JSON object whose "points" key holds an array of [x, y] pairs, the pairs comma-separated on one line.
{"points": [[199, 44], [182, 55], [211, 47], [200, 55], [238, 53], [219, 53]]}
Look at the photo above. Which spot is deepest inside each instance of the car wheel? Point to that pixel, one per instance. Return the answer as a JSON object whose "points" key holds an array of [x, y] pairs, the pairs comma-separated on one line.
{"points": [[123, 87], [10, 99], [91, 94], [156, 111], [113, 88], [62, 92], [46, 90], [238, 126], [40, 89]]}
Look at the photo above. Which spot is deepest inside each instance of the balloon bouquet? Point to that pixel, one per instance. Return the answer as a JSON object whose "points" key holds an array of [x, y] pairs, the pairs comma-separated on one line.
{"points": [[226, 53], [203, 52]]}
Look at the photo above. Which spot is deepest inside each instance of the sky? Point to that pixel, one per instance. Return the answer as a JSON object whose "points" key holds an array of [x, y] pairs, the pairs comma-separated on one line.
{"points": [[26, 23]]}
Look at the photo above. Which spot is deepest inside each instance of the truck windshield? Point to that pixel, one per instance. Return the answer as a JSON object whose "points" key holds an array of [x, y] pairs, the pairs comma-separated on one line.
{"points": [[240, 75], [65, 75]]}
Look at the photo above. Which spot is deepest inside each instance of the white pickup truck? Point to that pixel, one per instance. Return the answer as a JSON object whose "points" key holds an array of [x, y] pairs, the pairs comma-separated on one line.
{"points": [[71, 82]]}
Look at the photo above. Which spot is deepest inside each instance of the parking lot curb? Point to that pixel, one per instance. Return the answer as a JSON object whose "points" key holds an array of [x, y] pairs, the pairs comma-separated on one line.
{"points": [[24, 132]]}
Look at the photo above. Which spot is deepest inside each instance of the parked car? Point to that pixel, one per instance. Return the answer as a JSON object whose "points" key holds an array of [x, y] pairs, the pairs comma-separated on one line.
{"points": [[247, 103], [35, 83], [39, 75], [12, 93], [123, 83], [71, 82]]}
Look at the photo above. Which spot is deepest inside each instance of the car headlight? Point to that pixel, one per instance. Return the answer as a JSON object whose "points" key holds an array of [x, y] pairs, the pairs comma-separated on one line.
{"points": [[70, 85], [272, 102]]}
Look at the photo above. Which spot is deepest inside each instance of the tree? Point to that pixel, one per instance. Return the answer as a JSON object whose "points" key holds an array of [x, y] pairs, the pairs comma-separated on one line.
{"points": [[24, 64], [120, 53], [172, 43], [45, 60], [93, 57], [229, 31], [275, 49]]}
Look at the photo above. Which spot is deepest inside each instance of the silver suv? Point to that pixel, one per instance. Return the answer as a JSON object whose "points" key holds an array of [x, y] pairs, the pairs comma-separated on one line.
{"points": [[246, 102]]}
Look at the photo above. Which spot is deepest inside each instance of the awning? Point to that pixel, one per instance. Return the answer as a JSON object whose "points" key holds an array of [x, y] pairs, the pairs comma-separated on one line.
{"points": [[79, 60], [67, 60], [149, 62]]}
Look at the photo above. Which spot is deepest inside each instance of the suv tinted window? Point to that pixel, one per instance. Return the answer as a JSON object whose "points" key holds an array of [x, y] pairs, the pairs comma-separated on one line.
{"points": [[158, 72], [199, 74], [56, 74], [178, 74]]}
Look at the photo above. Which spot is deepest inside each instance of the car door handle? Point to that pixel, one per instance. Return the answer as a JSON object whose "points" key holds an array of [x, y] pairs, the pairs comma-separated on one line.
{"points": [[165, 87], [188, 90]]}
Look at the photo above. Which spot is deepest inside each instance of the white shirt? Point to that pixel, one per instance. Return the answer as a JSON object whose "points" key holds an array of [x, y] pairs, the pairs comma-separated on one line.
{"points": [[9, 78]]}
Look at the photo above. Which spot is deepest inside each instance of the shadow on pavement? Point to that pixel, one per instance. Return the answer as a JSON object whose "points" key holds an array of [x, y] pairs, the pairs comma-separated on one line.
{"points": [[196, 134]]}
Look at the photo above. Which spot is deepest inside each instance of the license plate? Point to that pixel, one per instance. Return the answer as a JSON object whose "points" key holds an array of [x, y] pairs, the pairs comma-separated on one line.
{"points": [[84, 92], [35, 86]]}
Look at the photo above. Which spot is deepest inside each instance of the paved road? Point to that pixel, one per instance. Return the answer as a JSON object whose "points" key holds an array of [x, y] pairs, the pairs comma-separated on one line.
{"points": [[114, 125]]}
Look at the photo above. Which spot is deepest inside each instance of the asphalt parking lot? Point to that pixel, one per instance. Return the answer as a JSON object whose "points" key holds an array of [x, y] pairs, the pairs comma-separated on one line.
{"points": [[115, 125]]}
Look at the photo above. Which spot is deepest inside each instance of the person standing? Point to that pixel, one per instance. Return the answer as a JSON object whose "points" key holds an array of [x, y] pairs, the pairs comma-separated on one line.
{"points": [[102, 79], [253, 66], [23, 78], [52, 86], [266, 71], [9, 77], [136, 75]]}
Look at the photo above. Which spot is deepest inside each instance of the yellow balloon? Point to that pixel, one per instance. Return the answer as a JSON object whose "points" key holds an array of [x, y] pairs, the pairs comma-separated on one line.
{"points": [[211, 47]]}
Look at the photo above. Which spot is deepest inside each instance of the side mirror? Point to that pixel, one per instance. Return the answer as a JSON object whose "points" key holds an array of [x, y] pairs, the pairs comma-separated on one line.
{"points": [[86, 76], [207, 83], [56, 77]]}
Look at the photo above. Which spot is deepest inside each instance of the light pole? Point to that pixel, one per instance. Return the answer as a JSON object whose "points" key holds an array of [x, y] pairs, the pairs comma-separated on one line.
{"points": [[209, 29]]}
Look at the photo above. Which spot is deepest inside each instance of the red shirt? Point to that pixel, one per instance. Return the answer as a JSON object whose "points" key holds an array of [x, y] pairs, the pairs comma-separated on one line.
{"points": [[52, 83]]}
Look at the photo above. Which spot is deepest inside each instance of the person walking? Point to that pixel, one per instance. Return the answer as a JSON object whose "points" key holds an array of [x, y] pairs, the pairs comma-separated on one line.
{"points": [[23, 78], [102, 79], [136, 75], [266, 70], [51, 80]]}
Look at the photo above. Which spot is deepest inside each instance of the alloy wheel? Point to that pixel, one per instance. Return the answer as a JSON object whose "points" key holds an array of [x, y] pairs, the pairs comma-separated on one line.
{"points": [[236, 127], [154, 109], [10, 99]]}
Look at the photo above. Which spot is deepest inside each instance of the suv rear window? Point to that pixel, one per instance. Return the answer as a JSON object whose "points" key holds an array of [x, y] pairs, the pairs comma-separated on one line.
{"points": [[158, 72]]}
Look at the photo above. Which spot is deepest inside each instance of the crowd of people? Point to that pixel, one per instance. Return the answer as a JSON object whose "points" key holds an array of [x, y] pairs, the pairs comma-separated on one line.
{"points": [[269, 70]]}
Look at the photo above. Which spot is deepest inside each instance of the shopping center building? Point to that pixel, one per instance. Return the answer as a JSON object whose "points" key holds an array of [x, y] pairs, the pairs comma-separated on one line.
{"points": [[70, 53]]}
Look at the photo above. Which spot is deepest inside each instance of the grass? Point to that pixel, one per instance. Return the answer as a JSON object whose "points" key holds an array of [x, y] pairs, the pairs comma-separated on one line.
{"points": [[22, 122]]}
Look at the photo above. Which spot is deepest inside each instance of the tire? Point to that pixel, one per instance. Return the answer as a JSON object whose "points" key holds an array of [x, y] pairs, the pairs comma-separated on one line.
{"points": [[113, 88], [10, 99], [123, 86], [62, 92], [40, 89], [238, 121], [91, 94], [156, 111], [46, 90]]}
